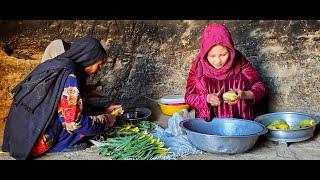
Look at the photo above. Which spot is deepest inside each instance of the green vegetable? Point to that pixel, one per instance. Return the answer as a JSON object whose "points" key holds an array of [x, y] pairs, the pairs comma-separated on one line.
{"points": [[139, 146], [128, 129], [146, 126], [132, 141]]}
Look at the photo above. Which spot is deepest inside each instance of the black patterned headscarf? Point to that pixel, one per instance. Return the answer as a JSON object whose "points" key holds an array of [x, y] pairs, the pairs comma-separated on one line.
{"points": [[85, 51]]}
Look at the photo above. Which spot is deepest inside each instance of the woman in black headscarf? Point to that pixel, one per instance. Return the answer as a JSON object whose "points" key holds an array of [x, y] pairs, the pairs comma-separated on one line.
{"points": [[47, 110]]}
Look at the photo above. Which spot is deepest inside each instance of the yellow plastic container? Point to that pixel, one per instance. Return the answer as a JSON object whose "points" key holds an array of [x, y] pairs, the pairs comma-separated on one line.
{"points": [[169, 110]]}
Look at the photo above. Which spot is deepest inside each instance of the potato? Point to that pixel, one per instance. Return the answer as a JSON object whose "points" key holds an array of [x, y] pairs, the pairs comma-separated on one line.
{"points": [[230, 96]]}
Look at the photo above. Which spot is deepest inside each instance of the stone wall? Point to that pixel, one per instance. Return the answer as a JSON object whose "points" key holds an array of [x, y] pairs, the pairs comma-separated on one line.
{"points": [[152, 57]]}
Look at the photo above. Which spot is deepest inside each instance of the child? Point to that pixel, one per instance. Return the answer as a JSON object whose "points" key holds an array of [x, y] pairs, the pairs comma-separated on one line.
{"points": [[218, 68]]}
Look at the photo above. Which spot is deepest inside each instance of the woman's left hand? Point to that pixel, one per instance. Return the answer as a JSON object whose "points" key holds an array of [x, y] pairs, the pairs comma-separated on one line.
{"points": [[244, 94], [241, 94], [114, 107]]}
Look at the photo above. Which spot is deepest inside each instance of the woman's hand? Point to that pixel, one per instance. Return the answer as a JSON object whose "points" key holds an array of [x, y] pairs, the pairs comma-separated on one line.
{"points": [[244, 94], [114, 107], [110, 120], [213, 99], [106, 118], [241, 95]]}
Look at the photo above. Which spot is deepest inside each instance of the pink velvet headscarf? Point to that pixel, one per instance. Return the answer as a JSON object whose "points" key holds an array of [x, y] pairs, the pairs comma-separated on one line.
{"points": [[215, 34]]}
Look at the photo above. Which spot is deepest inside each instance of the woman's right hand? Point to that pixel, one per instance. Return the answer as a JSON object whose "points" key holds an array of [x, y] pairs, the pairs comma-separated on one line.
{"points": [[213, 99], [110, 120]]}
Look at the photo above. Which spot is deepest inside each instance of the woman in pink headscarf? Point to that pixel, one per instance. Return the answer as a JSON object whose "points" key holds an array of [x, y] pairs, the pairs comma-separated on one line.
{"points": [[218, 68]]}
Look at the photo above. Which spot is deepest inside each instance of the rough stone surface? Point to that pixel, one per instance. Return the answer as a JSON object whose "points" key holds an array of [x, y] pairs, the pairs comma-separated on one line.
{"points": [[152, 58]]}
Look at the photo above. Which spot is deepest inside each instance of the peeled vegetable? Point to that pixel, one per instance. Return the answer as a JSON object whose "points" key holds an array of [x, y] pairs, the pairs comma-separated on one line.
{"points": [[278, 125], [304, 123], [230, 96], [115, 112], [282, 125]]}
